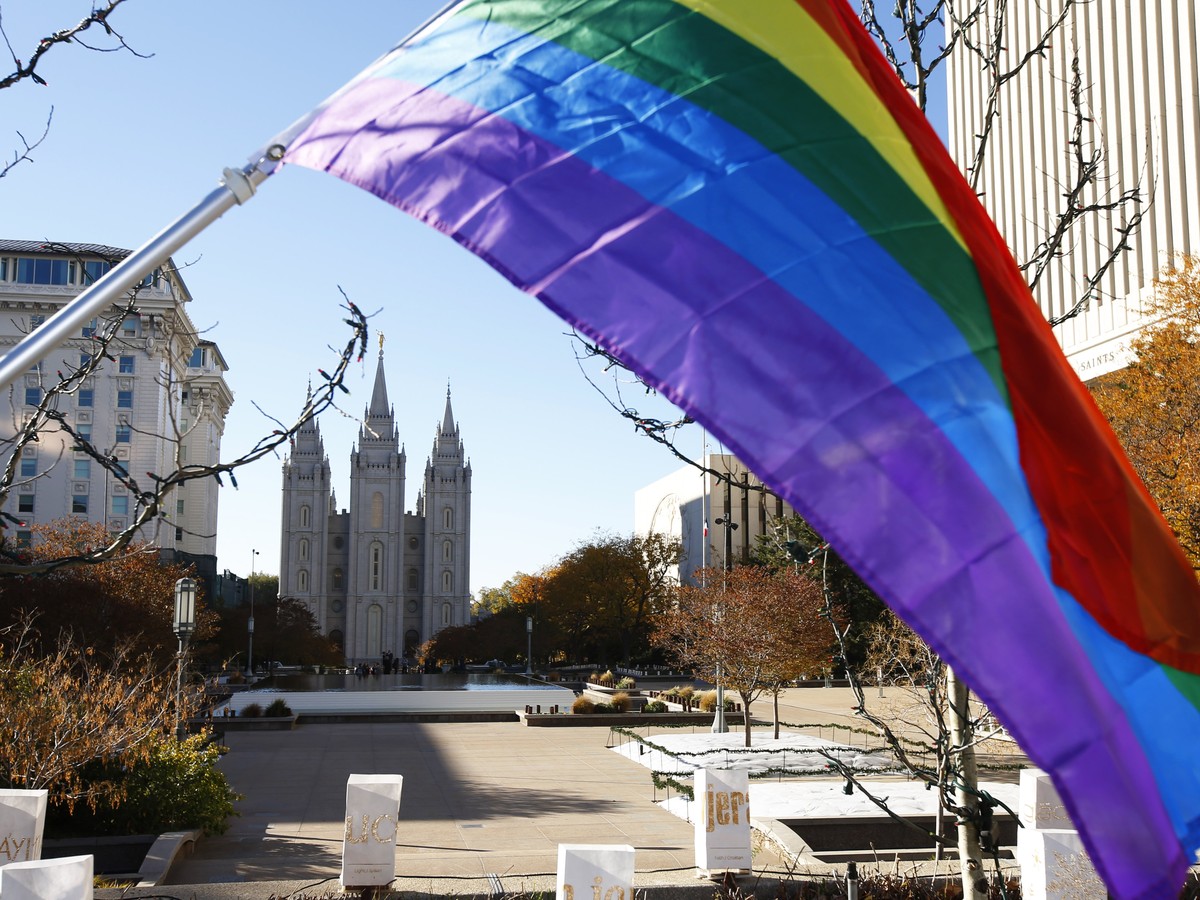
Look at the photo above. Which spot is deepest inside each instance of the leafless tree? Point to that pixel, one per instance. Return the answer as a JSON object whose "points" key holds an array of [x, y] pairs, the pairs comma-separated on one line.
{"points": [[25, 69]]}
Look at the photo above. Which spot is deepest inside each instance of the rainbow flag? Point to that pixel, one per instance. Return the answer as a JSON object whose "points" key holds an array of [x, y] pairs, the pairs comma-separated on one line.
{"points": [[739, 201]]}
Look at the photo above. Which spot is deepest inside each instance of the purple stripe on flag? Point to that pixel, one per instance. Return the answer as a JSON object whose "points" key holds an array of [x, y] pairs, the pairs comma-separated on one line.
{"points": [[752, 362]]}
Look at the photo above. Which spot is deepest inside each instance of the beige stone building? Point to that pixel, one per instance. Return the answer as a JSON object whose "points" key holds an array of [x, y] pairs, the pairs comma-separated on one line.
{"points": [[161, 401]]}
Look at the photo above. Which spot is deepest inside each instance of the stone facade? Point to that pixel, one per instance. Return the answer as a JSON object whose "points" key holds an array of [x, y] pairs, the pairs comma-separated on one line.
{"points": [[378, 578], [159, 403]]}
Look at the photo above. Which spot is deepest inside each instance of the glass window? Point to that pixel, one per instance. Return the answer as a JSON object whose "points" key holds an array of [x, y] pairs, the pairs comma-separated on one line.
{"points": [[83, 468], [36, 321], [337, 579], [305, 517], [84, 359], [124, 432], [179, 507], [304, 548], [125, 365], [178, 535], [44, 271], [447, 551], [120, 469], [447, 582], [84, 430], [33, 396], [86, 396], [89, 329], [129, 326], [79, 503], [93, 270], [120, 505], [302, 580], [124, 399], [412, 579], [28, 466], [198, 358], [447, 518], [24, 538], [25, 503], [445, 613]]}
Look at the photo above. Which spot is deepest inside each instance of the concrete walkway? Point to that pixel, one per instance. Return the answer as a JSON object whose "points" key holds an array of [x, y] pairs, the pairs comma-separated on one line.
{"points": [[479, 800], [483, 809]]}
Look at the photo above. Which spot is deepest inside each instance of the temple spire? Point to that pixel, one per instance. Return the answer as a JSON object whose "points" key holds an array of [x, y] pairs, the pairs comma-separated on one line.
{"points": [[379, 398], [448, 418]]}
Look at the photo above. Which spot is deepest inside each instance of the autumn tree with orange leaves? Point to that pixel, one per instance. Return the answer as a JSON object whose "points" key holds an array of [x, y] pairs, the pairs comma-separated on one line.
{"points": [[762, 629], [1153, 404], [126, 602]]}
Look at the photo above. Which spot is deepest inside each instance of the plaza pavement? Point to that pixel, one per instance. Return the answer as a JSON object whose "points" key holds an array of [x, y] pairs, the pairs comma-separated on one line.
{"points": [[483, 809]]}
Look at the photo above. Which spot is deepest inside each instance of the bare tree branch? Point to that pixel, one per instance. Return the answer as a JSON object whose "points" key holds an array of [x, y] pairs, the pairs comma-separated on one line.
{"points": [[99, 17]]}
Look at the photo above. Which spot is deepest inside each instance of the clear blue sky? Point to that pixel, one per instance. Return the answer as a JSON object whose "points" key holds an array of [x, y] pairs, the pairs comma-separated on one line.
{"points": [[136, 142]]}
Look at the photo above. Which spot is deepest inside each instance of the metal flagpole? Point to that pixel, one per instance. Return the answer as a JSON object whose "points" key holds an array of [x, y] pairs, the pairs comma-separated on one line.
{"points": [[236, 187]]}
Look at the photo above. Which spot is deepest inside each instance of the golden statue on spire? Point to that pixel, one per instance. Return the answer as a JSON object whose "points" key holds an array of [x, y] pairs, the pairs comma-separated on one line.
{"points": [[381, 343]]}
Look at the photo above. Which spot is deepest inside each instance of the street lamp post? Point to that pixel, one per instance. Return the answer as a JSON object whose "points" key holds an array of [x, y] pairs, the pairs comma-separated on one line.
{"points": [[184, 625], [529, 645], [719, 726], [250, 621]]}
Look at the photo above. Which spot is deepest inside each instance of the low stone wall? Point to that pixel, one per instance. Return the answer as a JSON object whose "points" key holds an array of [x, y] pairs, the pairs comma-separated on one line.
{"points": [[627, 720], [314, 703], [246, 723]]}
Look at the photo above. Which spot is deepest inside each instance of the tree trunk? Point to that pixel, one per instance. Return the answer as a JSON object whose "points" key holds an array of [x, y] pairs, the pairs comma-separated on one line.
{"points": [[746, 715], [775, 711], [970, 855]]}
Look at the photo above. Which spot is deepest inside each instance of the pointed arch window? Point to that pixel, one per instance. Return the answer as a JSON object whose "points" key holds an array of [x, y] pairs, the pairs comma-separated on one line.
{"points": [[305, 517], [447, 551], [376, 563], [304, 548], [447, 517], [446, 613], [302, 580], [447, 582]]}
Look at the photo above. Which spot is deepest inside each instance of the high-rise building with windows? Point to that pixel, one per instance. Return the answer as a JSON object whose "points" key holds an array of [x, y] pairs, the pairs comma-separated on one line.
{"points": [[159, 403], [377, 578], [1140, 80]]}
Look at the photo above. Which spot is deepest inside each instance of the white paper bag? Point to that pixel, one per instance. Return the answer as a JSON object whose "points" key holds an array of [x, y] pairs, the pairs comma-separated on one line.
{"points": [[68, 878], [595, 872], [372, 819], [721, 811], [22, 821]]}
